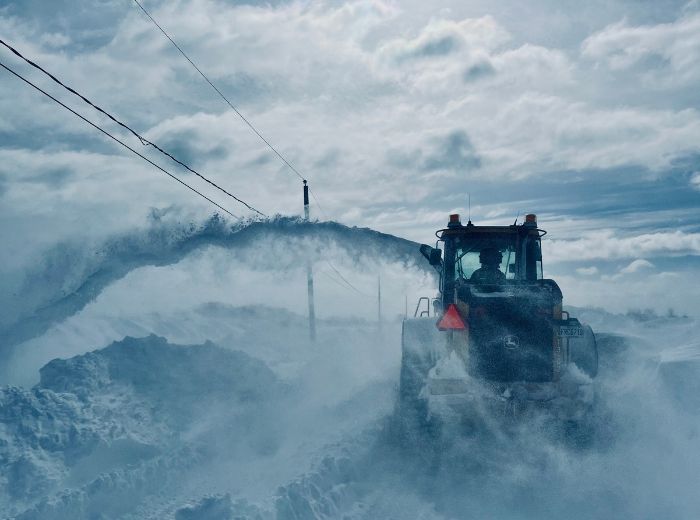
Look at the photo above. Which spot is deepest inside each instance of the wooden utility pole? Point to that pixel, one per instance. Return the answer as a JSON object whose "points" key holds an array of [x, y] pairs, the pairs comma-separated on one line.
{"points": [[379, 301], [309, 274]]}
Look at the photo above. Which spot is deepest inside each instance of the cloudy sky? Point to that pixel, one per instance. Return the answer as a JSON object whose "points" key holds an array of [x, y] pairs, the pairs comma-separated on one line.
{"points": [[587, 113]]}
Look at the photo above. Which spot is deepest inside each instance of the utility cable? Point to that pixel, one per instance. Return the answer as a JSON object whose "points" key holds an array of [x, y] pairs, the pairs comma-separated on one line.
{"points": [[345, 286], [318, 205], [247, 122], [334, 280], [115, 139], [243, 118], [351, 286], [233, 107], [143, 140]]}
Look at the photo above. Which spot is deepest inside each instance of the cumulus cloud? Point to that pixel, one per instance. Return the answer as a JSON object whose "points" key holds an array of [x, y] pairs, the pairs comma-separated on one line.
{"points": [[442, 37], [659, 291], [587, 271], [695, 181], [453, 152], [637, 265], [478, 70], [667, 53], [606, 245]]}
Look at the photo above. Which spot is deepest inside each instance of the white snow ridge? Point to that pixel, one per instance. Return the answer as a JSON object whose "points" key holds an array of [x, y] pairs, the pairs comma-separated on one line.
{"points": [[104, 428]]}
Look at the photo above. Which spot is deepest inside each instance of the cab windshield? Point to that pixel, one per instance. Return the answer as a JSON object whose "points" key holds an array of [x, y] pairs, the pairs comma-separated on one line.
{"points": [[469, 253]]}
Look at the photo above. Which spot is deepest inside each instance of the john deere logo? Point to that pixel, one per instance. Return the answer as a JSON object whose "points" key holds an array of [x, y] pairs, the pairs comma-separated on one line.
{"points": [[511, 341]]}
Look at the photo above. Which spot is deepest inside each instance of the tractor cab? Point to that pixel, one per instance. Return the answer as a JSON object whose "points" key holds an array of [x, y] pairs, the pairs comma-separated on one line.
{"points": [[501, 321], [487, 258]]}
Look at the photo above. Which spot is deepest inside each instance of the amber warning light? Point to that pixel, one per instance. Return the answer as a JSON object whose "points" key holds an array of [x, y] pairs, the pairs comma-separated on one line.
{"points": [[531, 218]]}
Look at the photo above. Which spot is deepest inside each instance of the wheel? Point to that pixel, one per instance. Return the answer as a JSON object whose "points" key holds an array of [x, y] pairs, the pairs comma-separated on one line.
{"points": [[420, 345]]}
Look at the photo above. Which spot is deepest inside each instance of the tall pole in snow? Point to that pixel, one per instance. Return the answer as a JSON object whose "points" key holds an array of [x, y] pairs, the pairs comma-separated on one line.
{"points": [[379, 301], [309, 274]]}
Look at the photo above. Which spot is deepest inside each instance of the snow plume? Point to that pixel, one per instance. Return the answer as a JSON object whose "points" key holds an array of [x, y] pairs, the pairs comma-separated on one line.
{"points": [[307, 431], [643, 462], [69, 276], [262, 423]]}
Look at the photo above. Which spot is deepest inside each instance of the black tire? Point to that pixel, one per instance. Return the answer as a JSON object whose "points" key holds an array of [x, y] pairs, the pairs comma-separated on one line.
{"points": [[584, 352], [420, 344]]}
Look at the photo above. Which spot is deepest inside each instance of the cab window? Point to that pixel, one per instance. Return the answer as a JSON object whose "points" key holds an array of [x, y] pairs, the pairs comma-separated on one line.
{"points": [[467, 258]]}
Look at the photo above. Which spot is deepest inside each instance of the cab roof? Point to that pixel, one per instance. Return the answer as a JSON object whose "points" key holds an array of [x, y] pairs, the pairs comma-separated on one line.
{"points": [[455, 228], [471, 229]]}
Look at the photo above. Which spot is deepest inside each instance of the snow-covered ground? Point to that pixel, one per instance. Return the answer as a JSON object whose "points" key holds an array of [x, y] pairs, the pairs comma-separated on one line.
{"points": [[222, 408], [143, 425]]}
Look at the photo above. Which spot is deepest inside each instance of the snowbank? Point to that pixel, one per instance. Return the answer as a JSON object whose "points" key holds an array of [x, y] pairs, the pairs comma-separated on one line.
{"points": [[104, 424]]}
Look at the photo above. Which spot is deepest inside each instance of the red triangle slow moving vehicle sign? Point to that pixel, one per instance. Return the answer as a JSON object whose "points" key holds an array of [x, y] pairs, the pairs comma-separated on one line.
{"points": [[451, 320]]}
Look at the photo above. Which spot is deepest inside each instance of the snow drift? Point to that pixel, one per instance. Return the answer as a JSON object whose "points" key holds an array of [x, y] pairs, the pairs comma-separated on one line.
{"points": [[130, 408]]}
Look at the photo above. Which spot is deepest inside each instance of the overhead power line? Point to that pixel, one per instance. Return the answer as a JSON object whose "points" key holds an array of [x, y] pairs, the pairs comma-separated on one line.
{"points": [[318, 204], [221, 94], [247, 122], [243, 118], [143, 140], [335, 281], [115, 138], [351, 286]]}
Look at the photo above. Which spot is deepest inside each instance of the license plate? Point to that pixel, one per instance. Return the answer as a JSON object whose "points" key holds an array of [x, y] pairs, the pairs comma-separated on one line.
{"points": [[570, 332]]}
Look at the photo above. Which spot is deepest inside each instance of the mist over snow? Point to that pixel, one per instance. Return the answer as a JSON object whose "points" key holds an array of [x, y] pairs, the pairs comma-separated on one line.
{"points": [[217, 405], [155, 359]]}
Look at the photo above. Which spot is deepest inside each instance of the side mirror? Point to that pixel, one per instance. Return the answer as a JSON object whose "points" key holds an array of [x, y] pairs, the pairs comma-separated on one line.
{"points": [[434, 256]]}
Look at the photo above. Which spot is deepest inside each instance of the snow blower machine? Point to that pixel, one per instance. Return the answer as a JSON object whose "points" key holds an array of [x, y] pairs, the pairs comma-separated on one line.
{"points": [[495, 342]]}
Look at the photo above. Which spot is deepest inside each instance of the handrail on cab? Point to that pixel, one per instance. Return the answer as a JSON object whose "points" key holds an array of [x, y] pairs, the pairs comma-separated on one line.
{"points": [[425, 313]]}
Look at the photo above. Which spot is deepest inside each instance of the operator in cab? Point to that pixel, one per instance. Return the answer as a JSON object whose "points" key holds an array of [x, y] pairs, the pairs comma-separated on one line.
{"points": [[489, 272]]}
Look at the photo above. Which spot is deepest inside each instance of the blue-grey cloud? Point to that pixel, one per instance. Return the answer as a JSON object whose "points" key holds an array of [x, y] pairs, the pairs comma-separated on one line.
{"points": [[440, 46], [51, 177], [453, 152], [329, 159], [184, 145], [261, 160], [72, 25], [482, 69]]}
